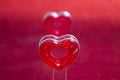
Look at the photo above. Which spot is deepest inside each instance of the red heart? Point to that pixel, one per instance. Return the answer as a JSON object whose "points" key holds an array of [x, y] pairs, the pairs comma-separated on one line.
{"points": [[57, 23], [49, 42]]}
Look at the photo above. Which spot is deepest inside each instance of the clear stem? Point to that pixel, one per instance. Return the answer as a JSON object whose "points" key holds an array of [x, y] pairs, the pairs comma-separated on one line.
{"points": [[65, 74], [53, 74]]}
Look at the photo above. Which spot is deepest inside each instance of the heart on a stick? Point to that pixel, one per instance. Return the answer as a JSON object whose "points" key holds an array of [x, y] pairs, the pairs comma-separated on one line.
{"points": [[57, 23], [68, 42]]}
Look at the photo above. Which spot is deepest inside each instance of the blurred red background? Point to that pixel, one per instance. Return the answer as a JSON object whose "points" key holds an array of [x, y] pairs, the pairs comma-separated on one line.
{"points": [[96, 23]]}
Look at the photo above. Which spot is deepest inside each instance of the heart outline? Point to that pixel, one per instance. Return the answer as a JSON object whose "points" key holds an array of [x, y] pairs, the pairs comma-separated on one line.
{"points": [[67, 41], [63, 18]]}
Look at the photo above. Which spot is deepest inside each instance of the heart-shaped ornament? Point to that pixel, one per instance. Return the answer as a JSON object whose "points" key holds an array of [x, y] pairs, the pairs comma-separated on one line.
{"points": [[57, 23], [68, 42]]}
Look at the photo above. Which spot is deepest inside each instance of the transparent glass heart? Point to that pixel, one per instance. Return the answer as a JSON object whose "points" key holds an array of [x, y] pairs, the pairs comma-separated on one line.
{"points": [[57, 23], [68, 42]]}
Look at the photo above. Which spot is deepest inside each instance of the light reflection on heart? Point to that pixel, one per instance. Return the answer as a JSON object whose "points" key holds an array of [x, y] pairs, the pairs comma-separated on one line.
{"points": [[68, 42], [57, 23]]}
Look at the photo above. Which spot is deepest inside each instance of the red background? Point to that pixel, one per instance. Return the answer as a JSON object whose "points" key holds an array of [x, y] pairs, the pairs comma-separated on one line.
{"points": [[96, 23]]}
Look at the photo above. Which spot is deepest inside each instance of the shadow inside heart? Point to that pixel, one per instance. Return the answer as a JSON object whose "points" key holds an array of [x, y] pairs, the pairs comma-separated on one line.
{"points": [[58, 52]]}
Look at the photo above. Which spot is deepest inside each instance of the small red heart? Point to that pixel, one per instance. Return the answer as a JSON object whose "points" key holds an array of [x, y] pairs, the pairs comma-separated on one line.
{"points": [[68, 42], [57, 23]]}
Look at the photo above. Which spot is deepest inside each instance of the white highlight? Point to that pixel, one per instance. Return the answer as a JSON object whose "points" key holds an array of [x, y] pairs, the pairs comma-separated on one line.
{"points": [[58, 64]]}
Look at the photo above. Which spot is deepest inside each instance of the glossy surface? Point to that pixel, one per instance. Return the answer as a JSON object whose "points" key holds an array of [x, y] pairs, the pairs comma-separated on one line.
{"points": [[96, 26], [49, 42], [57, 23]]}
